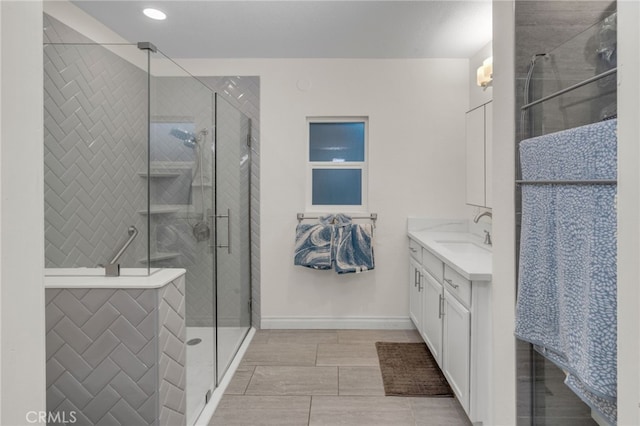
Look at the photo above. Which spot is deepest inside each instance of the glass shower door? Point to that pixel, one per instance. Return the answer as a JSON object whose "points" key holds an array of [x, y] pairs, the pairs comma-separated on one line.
{"points": [[233, 230], [181, 196]]}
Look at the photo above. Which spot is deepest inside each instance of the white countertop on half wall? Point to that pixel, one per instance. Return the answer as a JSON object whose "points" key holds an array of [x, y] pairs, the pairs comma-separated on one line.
{"points": [[95, 278]]}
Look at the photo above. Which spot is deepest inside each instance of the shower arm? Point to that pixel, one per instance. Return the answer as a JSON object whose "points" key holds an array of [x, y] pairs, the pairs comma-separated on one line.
{"points": [[112, 269]]}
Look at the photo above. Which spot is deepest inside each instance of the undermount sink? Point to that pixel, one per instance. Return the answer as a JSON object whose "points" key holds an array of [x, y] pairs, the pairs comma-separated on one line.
{"points": [[463, 247]]}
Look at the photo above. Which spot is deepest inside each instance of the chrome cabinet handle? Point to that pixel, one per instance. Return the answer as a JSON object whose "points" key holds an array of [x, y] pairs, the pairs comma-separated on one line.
{"points": [[415, 278], [452, 284], [413, 249], [440, 300]]}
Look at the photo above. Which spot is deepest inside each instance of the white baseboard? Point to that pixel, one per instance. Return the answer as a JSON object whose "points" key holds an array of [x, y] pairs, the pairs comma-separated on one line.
{"points": [[330, 323]]}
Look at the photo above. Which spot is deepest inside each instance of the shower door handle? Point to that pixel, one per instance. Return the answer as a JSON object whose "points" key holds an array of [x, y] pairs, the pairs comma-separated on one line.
{"points": [[228, 217]]}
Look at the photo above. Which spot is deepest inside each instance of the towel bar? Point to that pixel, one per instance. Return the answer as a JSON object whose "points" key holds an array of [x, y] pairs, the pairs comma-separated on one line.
{"points": [[568, 182], [570, 88], [373, 217]]}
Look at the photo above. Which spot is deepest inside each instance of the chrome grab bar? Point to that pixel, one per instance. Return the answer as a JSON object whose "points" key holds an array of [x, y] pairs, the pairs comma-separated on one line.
{"points": [[112, 269]]}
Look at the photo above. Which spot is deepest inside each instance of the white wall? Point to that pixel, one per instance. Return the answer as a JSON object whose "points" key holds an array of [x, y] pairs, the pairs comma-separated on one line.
{"points": [[22, 336], [416, 136], [628, 213], [503, 285], [74, 17], [478, 95]]}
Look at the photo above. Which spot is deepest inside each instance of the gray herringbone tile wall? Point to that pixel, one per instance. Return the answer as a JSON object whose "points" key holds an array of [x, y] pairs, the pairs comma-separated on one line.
{"points": [[117, 356], [95, 139], [172, 353]]}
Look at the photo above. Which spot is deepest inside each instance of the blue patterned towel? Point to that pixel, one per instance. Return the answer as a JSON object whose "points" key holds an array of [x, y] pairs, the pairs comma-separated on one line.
{"points": [[353, 248], [339, 219], [567, 278], [314, 246]]}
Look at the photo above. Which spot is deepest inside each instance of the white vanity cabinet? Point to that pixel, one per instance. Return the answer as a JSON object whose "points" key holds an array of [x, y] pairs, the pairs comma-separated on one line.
{"points": [[457, 332], [415, 291], [457, 347], [452, 315], [433, 303]]}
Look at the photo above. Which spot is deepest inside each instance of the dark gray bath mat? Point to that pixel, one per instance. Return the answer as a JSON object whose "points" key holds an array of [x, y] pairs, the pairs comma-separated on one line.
{"points": [[409, 369]]}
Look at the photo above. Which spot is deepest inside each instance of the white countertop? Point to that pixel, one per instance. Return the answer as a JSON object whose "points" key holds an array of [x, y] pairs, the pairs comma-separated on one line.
{"points": [[474, 265], [94, 278]]}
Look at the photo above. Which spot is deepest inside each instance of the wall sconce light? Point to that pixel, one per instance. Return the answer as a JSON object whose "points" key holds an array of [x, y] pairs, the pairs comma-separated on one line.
{"points": [[484, 75]]}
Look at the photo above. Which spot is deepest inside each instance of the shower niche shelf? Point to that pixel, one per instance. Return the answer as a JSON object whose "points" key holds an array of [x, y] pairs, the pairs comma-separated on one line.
{"points": [[159, 174], [157, 257], [160, 209]]}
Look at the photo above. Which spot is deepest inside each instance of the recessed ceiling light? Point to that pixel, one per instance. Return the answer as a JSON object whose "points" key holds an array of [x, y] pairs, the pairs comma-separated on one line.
{"points": [[156, 14]]}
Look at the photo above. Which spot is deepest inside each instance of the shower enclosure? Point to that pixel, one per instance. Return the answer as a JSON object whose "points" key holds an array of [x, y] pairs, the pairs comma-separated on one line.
{"points": [[198, 180], [545, 65], [131, 138]]}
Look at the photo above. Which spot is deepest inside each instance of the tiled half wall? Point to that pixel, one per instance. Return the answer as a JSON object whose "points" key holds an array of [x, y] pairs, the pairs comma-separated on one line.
{"points": [[117, 356]]}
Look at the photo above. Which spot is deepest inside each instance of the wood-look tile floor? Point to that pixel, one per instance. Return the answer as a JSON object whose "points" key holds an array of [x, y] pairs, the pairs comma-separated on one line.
{"points": [[324, 377]]}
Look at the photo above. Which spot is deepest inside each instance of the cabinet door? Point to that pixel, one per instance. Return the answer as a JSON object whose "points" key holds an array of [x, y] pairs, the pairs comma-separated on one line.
{"points": [[475, 156], [432, 316], [457, 347], [415, 294]]}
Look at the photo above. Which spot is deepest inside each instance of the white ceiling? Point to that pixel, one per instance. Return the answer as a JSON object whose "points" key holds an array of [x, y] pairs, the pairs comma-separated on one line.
{"points": [[302, 29]]}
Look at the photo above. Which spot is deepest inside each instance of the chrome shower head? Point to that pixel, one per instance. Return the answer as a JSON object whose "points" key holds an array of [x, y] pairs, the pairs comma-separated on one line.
{"points": [[188, 139]]}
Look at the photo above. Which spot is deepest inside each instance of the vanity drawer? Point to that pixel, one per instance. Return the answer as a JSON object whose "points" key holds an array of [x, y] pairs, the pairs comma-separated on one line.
{"points": [[432, 264], [458, 285], [415, 250]]}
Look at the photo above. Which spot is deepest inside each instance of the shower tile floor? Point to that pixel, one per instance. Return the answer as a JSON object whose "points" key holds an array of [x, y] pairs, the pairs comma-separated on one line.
{"points": [[324, 377], [201, 362]]}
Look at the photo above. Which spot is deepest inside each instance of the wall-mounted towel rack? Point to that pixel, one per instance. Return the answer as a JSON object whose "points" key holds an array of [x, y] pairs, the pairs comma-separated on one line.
{"points": [[570, 88], [373, 217], [568, 182]]}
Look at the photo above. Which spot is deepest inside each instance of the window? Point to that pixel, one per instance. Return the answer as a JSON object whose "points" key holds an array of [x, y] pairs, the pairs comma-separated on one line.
{"points": [[337, 164]]}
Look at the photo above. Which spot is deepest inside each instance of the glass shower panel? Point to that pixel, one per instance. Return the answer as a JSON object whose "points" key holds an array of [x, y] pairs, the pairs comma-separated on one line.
{"points": [[95, 147], [543, 398], [180, 180], [583, 56], [233, 230]]}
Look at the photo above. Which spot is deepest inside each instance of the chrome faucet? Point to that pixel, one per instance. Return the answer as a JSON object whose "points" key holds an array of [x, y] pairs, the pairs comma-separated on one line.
{"points": [[487, 235], [479, 215]]}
